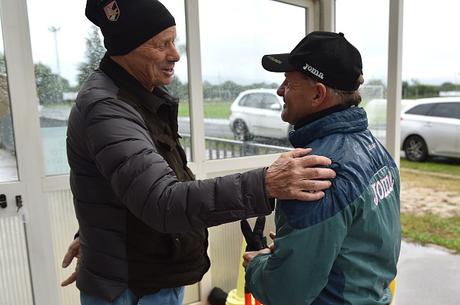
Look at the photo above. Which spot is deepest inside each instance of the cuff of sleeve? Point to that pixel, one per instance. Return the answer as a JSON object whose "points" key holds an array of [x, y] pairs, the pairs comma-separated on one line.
{"points": [[253, 278], [255, 193]]}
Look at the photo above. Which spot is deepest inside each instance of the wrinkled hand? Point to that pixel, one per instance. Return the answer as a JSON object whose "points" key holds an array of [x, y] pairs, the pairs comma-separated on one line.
{"points": [[72, 251], [249, 256], [255, 239], [271, 246], [294, 176]]}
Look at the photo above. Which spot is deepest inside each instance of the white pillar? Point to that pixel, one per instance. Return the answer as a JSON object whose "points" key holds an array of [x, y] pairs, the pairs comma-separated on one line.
{"points": [[394, 82], [195, 86]]}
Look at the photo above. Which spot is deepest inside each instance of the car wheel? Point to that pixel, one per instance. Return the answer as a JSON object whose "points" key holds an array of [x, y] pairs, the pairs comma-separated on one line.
{"points": [[415, 149], [240, 130]]}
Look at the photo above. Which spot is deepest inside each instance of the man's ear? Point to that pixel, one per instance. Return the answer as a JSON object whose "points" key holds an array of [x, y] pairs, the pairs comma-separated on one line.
{"points": [[320, 97]]}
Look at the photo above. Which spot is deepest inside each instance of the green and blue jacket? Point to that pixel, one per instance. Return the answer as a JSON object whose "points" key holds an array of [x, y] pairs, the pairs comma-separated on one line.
{"points": [[342, 249]]}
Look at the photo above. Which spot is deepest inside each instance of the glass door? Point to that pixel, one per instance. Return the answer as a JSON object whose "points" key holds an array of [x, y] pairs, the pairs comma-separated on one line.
{"points": [[26, 258], [15, 281]]}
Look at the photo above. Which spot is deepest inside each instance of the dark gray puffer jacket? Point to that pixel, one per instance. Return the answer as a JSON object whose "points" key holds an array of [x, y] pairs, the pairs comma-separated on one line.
{"points": [[142, 222]]}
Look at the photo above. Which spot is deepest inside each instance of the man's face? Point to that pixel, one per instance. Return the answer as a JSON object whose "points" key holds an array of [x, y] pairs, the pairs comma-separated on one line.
{"points": [[153, 61], [298, 93]]}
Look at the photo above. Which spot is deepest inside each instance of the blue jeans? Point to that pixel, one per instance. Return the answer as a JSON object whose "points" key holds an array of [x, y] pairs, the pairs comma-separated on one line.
{"points": [[167, 296]]}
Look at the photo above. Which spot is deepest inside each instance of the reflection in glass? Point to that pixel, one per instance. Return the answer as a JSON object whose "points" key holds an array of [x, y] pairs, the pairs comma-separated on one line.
{"points": [[8, 164], [231, 55]]}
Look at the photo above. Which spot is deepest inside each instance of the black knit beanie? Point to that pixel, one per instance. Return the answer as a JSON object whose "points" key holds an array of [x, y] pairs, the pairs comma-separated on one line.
{"points": [[126, 24]]}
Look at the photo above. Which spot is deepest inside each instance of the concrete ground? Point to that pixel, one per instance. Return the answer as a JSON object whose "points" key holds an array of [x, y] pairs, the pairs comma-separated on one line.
{"points": [[427, 276]]}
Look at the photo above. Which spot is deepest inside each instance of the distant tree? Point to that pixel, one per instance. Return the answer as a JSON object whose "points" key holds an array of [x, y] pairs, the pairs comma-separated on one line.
{"points": [[178, 89], [4, 96], [2, 64], [405, 89], [93, 55], [49, 85], [448, 86], [416, 89]]}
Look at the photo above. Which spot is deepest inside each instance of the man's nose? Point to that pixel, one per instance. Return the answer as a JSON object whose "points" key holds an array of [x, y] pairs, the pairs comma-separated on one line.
{"points": [[173, 54], [280, 90]]}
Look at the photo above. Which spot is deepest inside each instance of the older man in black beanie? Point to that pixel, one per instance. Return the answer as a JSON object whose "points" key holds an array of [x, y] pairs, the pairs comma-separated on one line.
{"points": [[142, 219]]}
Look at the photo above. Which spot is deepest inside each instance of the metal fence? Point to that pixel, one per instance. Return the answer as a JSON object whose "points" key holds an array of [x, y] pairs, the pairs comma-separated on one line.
{"points": [[218, 148]]}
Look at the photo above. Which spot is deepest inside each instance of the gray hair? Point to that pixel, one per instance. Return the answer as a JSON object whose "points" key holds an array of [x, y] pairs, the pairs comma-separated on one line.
{"points": [[346, 98], [349, 98]]}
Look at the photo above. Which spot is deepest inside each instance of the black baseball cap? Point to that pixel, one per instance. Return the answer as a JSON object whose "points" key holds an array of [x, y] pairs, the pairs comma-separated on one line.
{"points": [[324, 56], [126, 24]]}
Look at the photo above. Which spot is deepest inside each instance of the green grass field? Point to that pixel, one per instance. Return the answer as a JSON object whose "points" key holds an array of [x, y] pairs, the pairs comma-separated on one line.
{"points": [[430, 228], [212, 110], [450, 167]]}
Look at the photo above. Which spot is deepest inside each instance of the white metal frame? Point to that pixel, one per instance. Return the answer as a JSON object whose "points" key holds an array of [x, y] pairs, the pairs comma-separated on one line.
{"points": [[24, 110]]}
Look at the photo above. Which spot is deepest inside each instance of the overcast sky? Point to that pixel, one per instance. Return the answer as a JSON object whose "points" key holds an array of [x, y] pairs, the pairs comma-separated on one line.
{"points": [[230, 30]]}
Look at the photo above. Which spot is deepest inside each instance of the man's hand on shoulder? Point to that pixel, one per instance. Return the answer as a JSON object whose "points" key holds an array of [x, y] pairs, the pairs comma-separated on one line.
{"points": [[298, 175]]}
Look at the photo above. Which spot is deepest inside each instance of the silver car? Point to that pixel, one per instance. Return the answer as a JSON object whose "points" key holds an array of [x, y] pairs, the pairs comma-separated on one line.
{"points": [[257, 112], [431, 127]]}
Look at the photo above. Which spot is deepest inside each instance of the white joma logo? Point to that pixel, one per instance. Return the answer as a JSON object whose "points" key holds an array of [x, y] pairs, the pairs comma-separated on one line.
{"points": [[382, 188], [313, 71]]}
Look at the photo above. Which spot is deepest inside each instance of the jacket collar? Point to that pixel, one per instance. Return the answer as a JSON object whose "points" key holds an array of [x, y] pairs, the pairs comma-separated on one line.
{"points": [[349, 120], [152, 100], [320, 114]]}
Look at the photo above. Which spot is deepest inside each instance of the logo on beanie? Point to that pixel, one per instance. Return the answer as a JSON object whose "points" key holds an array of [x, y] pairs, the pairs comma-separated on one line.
{"points": [[313, 71], [112, 11]]}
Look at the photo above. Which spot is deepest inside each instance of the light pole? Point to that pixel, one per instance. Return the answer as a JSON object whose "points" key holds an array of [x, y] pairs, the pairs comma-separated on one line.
{"points": [[54, 30]]}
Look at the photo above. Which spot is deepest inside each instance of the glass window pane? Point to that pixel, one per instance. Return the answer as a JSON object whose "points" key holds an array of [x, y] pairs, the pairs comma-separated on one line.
{"points": [[8, 164], [372, 42], [66, 48], [231, 54], [179, 86]]}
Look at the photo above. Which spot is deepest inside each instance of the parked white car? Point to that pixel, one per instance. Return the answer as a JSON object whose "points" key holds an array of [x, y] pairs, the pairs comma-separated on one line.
{"points": [[431, 127], [257, 112]]}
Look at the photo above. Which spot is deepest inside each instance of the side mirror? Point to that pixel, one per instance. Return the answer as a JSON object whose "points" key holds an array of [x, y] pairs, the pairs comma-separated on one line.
{"points": [[275, 106]]}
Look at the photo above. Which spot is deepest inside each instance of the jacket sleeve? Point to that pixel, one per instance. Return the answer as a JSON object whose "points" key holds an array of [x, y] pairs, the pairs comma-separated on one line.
{"points": [[124, 153], [299, 268]]}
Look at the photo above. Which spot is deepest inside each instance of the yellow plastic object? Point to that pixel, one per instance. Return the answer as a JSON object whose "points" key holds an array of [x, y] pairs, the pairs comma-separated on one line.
{"points": [[236, 296], [393, 289]]}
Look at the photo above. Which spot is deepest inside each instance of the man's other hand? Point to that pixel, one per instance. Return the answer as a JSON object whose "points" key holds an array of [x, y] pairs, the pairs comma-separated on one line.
{"points": [[72, 252], [298, 175], [248, 256]]}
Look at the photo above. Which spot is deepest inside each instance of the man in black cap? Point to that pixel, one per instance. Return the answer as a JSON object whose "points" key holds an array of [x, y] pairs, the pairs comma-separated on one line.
{"points": [[142, 219], [342, 249]]}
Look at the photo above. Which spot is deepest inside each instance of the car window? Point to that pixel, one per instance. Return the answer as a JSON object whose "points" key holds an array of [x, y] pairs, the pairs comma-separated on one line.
{"points": [[446, 110], [243, 100], [423, 109], [268, 100], [253, 100]]}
